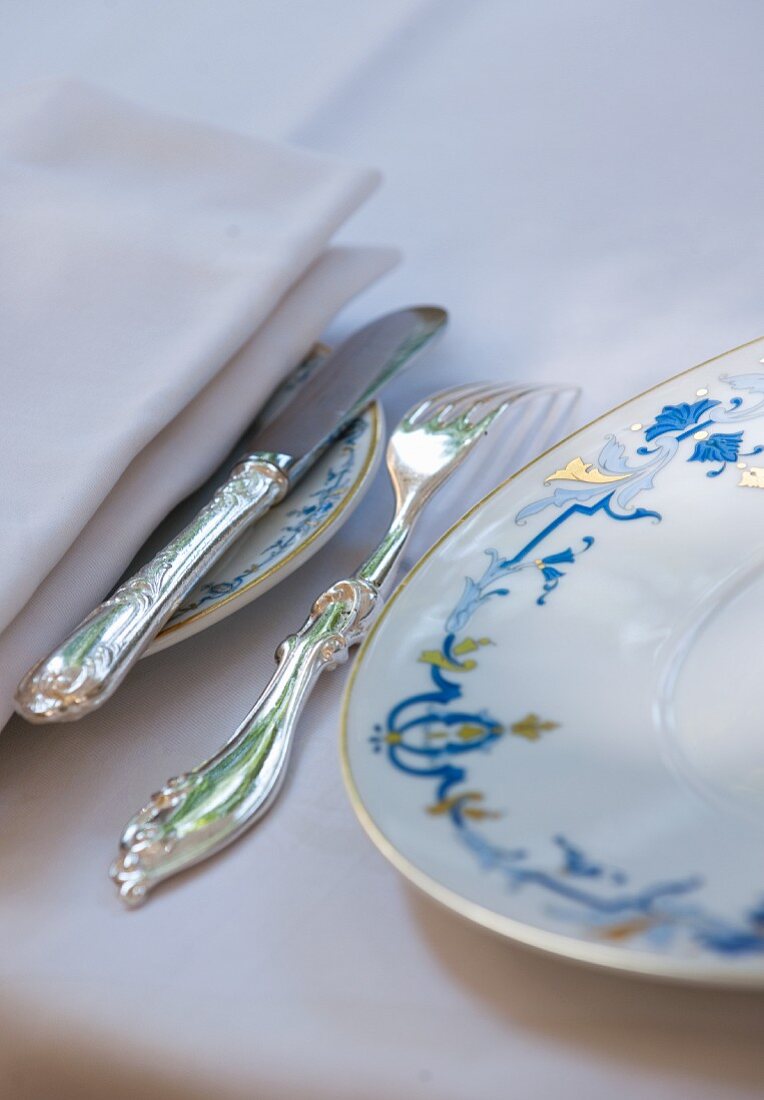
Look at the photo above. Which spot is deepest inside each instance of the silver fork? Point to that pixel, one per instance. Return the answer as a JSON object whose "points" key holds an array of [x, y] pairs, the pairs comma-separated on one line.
{"points": [[198, 813]]}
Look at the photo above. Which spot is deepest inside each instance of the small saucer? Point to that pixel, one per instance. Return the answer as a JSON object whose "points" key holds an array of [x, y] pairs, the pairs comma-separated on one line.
{"points": [[288, 535]]}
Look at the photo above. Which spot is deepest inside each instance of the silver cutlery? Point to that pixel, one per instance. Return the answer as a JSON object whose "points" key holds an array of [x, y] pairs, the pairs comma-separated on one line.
{"points": [[85, 670], [198, 813]]}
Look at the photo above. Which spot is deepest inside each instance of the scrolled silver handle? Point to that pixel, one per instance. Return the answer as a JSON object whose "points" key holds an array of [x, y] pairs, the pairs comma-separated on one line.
{"points": [[196, 814], [81, 673]]}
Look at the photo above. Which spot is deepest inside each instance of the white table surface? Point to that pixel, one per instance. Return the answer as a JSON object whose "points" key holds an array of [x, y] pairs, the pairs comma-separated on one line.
{"points": [[581, 185]]}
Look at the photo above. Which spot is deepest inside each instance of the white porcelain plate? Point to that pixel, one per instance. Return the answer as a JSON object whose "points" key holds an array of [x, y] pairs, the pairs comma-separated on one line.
{"points": [[556, 727], [288, 535]]}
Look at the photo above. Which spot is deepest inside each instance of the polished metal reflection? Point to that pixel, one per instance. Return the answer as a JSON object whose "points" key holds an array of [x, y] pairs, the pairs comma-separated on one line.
{"points": [[197, 814], [85, 670]]}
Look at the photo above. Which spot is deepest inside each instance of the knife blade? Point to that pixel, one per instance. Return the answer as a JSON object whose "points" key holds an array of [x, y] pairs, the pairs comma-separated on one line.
{"points": [[184, 511], [88, 666]]}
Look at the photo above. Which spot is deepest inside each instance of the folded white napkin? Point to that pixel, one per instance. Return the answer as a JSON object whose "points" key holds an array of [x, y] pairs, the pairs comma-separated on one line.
{"points": [[157, 278]]}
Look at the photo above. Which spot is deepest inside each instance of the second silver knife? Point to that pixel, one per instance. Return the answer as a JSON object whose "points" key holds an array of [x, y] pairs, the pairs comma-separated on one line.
{"points": [[85, 670]]}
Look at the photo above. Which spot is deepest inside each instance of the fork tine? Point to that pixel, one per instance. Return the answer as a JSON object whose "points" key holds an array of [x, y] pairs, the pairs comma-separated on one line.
{"points": [[433, 407], [531, 422], [479, 404], [457, 394], [487, 403], [539, 426], [418, 412], [553, 417], [458, 401], [568, 399]]}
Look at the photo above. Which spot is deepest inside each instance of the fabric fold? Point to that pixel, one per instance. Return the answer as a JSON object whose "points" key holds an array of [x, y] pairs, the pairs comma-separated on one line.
{"points": [[138, 254], [159, 279]]}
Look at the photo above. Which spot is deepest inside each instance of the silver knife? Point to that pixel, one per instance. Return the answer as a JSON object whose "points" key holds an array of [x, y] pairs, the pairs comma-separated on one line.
{"points": [[85, 670], [183, 512]]}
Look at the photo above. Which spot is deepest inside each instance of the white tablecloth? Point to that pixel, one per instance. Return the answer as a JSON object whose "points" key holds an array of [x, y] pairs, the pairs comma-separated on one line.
{"points": [[581, 184]]}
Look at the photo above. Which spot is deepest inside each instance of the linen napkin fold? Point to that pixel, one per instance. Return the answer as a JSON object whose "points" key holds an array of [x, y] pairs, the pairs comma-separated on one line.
{"points": [[157, 279]]}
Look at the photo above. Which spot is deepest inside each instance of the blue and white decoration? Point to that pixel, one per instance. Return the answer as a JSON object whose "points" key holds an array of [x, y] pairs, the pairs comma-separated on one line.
{"points": [[428, 736]]}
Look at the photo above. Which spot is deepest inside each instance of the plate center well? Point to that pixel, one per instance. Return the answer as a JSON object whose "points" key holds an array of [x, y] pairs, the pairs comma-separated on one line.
{"points": [[711, 706]]}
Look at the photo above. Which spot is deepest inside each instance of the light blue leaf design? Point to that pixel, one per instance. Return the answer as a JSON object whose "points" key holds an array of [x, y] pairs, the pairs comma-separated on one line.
{"points": [[752, 383], [612, 458], [561, 497]]}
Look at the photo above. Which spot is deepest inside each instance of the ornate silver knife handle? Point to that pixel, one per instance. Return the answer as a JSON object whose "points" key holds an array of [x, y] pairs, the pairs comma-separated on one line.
{"points": [[196, 814], [91, 663], [86, 669]]}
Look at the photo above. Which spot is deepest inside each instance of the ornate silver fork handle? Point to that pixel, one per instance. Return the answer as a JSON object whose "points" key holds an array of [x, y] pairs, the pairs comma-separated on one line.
{"points": [[91, 663], [197, 814]]}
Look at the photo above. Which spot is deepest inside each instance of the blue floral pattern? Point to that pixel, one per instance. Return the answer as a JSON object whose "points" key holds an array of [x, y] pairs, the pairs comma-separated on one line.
{"points": [[430, 735]]}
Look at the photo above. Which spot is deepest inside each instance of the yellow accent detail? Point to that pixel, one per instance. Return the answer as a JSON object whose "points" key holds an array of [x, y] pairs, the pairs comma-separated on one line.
{"points": [[393, 738], [700, 435], [479, 815], [626, 929], [446, 804], [636, 427], [531, 727], [435, 657], [474, 812], [753, 478], [578, 470], [469, 645], [470, 733], [703, 392]]}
